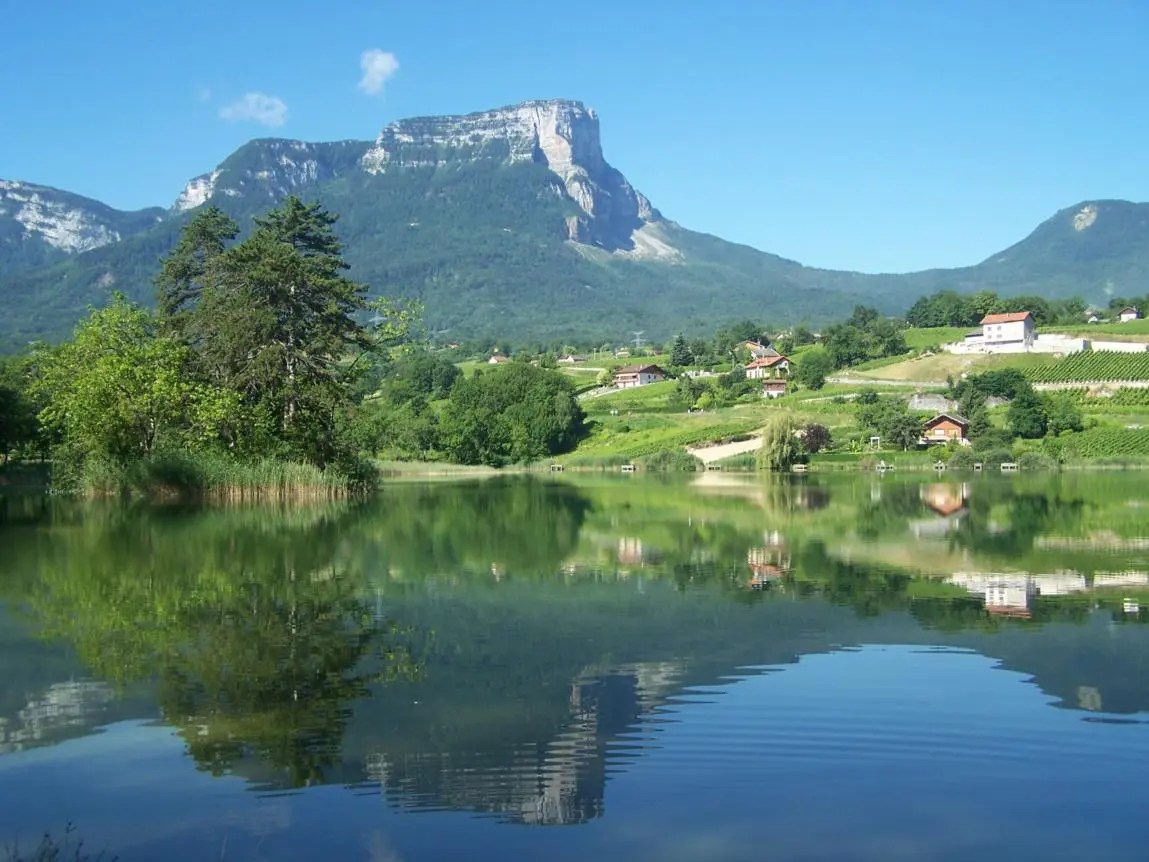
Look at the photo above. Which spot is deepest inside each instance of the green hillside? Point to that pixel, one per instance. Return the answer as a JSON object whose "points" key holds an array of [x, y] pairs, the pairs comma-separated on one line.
{"points": [[510, 223]]}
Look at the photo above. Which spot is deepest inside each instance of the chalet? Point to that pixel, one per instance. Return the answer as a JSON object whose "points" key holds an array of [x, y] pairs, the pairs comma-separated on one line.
{"points": [[1128, 313], [630, 376], [571, 359], [945, 428], [768, 366], [773, 388], [497, 359], [757, 349], [1013, 327]]}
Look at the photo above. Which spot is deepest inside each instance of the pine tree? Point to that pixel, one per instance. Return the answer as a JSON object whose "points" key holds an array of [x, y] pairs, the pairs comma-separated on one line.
{"points": [[189, 267], [680, 354], [283, 323]]}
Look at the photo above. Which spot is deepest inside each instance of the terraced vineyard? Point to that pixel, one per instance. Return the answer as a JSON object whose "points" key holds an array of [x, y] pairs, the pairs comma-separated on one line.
{"points": [[1093, 366], [1113, 442]]}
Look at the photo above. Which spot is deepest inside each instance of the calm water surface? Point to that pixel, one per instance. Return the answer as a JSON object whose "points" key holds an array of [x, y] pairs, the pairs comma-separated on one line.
{"points": [[718, 669]]}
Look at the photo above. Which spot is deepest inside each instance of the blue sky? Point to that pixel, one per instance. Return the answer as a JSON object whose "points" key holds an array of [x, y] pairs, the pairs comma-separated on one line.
{"points": [[861, 134]]}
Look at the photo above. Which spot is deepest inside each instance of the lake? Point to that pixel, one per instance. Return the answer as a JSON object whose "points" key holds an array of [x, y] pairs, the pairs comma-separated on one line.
{"points": [[713, 668]]}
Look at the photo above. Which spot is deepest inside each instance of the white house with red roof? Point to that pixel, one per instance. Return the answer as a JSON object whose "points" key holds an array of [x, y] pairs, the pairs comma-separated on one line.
{"points": [[630, 376], [1012, 327], [768, 366]]}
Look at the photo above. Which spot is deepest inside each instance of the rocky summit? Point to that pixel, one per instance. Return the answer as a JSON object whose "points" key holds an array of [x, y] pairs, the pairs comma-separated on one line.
{"points": [[564, 136], [511, 223]]}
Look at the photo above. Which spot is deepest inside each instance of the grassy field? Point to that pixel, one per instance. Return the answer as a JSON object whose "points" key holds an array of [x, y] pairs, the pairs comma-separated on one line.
{"points": [[935, 369], [934, 337], [1134, 330]]}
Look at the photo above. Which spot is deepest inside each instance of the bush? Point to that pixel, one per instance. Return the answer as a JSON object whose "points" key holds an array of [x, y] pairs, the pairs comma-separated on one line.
{"points": [[1035, 461], [995, 457], [816, 438], [962, 460], [669, 461], [748, 461]]}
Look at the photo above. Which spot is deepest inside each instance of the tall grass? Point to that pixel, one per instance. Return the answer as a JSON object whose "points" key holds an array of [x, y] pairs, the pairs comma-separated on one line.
{"points": [[218, 477]]}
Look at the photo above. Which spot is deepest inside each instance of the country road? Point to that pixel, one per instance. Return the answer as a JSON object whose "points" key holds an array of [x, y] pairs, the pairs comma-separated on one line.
{"points": [[707, 454]]}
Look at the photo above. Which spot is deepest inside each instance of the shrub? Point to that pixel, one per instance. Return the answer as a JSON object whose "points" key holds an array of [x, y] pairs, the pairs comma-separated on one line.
{"points": [[816, 438], [1035, 461], [962, 460], [669, 461], [995, 457], [747, 461]]}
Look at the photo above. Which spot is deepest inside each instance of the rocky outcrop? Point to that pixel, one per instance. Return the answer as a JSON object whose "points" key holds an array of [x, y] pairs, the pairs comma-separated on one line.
{"points": [[67, 222], [563, 135], [269, 169]]}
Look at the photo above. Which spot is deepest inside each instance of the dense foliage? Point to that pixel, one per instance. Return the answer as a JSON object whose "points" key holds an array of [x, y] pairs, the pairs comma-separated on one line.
{"points": [[781, 444], [517, 414], [866, 335], [255, 352], [947, 308]]}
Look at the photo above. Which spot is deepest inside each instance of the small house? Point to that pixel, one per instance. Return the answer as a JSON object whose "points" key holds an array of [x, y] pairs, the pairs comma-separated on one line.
{"points": [[773, 388], [1128, 313], [1013, 327], [572, 359], [630, 376], [497, 359], [945, 428], [757, 349], [768, 366]]}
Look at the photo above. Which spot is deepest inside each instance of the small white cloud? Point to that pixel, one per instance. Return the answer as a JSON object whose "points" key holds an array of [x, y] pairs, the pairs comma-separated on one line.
{"points": [[378, 66], [203, 94], [257, 107]]}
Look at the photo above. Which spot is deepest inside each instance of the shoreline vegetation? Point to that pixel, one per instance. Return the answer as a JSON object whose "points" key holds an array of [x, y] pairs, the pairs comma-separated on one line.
{"points": [[264, 373]]}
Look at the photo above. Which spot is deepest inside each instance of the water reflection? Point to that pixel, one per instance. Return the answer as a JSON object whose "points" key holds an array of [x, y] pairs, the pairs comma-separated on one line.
{"points": [[506, 647]]}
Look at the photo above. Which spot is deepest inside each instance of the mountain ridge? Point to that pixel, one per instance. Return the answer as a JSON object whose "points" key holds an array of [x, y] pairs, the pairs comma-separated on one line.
{"points": [[510, 222]]}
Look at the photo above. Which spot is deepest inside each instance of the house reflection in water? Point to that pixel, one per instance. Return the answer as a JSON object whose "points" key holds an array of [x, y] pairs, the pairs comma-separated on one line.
{"points": [[768, 562], [1012, 594], [632, 552], [948, 501]]}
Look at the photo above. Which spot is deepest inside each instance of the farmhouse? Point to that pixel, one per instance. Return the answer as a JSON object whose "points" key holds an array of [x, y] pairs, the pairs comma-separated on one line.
{"points": [[1014, 327], [630, 376], [571, 359], [944, 428], [768, 366], [497, 359], [773, 388], [1129, 313]]}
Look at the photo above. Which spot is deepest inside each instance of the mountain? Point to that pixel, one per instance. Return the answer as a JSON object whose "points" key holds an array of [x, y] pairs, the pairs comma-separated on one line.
{"points": [[511, 223], [40, 225]]}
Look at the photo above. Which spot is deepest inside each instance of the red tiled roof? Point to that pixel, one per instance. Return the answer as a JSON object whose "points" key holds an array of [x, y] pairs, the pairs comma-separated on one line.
{"points": [[766, 361], [1007, 317], [943, 417]]}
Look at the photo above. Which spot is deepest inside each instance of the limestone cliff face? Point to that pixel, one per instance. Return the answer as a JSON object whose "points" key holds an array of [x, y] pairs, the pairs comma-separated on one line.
{"points": [[563, 135], [269, 169], [65, 222]]}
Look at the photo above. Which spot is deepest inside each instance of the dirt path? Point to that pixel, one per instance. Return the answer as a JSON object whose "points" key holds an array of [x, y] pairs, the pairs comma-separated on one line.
{"points": [[707, 454]]}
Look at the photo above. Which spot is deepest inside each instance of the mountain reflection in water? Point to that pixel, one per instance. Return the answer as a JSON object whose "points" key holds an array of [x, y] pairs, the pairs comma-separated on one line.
{"points": [[508, 647]]}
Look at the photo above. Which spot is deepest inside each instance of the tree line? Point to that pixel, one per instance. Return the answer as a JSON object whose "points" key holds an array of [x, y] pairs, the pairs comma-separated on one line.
{"points": [[263, 350]]}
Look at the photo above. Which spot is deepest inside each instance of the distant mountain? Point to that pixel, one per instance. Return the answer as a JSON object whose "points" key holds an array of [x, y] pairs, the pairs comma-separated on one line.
{"points": [[40, 225], [511, 223]]}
